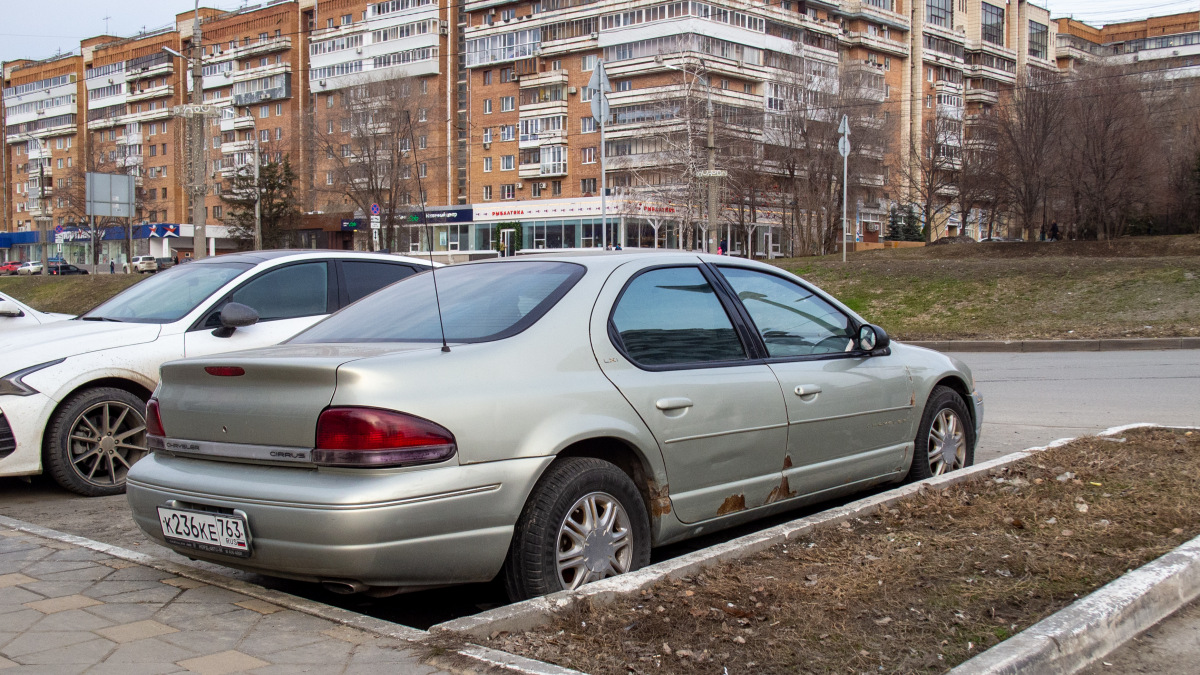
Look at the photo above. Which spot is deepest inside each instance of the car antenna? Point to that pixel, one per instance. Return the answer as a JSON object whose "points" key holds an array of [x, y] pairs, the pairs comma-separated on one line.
{"points": [[420, 198]]}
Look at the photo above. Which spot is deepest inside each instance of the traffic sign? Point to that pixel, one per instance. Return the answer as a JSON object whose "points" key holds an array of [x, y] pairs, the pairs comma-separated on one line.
{"points": [[58, 229], [375, 221], [844, 146], [374, 209], [844, 127], [600, 87]]}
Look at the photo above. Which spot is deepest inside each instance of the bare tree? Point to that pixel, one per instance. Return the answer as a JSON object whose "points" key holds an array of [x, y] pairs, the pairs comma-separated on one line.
{"points": [[931, 173], [373, 149], [1028, 132], [978, 182], [110, 158]]}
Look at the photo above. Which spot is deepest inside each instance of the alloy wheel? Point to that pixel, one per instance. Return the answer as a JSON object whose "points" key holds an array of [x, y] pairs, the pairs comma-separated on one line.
{"points": [[105, 440], [595, 541], [947, 448]]}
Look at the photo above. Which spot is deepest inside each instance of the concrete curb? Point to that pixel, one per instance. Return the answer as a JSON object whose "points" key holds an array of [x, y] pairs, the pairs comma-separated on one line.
{"points": [[1099, 345], [1071, 639], [483, 656], [528, 614]]}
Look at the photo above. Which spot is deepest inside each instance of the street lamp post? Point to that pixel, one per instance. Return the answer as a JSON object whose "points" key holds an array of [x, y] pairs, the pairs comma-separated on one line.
{"points": [[197, 119], [41, 196]]}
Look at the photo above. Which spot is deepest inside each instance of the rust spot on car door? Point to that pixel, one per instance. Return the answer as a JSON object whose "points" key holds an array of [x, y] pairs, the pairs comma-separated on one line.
{"points": [[732, 504], [660, 499], [783, 490]]}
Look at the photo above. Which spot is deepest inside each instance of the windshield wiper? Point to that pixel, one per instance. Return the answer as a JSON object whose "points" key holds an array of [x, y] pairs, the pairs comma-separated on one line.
{"points": [[99, 318]]}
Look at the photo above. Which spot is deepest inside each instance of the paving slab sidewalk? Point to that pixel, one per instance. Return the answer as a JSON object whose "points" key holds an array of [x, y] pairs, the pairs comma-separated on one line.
{"points": [[1170, 647], [68, 609]]}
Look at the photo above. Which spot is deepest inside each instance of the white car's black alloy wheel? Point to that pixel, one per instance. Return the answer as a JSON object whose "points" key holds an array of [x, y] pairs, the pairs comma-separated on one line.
{"points": [[93, 440]]}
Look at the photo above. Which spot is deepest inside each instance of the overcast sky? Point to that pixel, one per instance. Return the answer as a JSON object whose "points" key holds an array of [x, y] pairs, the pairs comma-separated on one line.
{"points": [[39, 29]]}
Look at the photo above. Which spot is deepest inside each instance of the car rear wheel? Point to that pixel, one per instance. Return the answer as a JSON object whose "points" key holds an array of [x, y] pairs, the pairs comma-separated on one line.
{"points": [[93, 440], [946, 438], [584, 521]]}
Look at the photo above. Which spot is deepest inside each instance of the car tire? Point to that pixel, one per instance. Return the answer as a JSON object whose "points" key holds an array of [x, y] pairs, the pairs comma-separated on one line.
{"points": [[947, 425], [93, 439], [571, 493]]}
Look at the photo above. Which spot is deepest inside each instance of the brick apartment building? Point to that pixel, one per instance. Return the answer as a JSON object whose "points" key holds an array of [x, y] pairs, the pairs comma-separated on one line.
{"points": [[481, 110]]}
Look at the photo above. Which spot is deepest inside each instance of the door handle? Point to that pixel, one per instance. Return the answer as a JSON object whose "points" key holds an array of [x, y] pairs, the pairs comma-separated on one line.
{"points": [[665, 404], [805, 390]]}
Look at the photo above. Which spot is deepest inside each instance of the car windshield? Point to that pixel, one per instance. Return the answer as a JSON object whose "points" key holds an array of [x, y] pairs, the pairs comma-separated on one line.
{"points": [[167, 296], [479, 303]]}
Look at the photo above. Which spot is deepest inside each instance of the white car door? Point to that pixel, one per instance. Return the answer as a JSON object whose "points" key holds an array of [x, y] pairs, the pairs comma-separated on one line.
{"points": [[288, 299]]}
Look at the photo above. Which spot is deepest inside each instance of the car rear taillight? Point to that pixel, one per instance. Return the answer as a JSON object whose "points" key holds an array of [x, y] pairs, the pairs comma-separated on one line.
{"points": [[154, 425], [369, 437]]}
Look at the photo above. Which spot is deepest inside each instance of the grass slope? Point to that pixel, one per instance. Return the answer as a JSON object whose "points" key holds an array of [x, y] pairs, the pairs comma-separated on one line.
{"points": [[69, 295]]}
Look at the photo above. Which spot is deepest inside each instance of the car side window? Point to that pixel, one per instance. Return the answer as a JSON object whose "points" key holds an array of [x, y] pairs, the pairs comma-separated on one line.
{"points": [[288, 292], [363, 278], [673, 316], [792, 320]]}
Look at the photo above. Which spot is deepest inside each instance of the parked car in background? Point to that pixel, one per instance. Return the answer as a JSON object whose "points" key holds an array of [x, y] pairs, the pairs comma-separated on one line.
{"points": [[73, 393], [30, 267], [10, 268], [143, 264], [66, 269], [16, 314], [164, 263], [585, 409]]}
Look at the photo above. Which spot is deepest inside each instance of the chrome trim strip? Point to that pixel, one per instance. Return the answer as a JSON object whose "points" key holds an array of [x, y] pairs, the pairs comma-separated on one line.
{"points": [[319, 507], [857, 414], [263, 453], [724, 433]]}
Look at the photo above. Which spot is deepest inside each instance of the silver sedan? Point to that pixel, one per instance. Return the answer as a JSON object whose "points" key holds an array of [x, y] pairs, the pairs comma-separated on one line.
{"points": [[557, 418]]}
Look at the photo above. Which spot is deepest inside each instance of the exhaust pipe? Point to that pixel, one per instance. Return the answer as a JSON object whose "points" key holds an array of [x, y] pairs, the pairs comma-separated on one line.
{"points": [[344, 587]]}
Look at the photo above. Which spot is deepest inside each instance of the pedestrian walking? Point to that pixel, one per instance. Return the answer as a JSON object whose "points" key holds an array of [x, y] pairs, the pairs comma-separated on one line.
{"points": [[112, 267], [1054, 231]]}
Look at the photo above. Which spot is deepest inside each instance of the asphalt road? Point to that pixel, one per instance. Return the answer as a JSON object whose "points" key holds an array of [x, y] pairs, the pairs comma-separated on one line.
{"points": [[1030, 399]]}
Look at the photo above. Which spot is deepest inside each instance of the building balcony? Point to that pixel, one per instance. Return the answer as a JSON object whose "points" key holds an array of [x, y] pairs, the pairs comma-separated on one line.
{"points": [[553, 169], [129, 139], [549, 77], [35, 171], [529, 170], [132, 160], [541, 138], [950, 112], [542, 109], [237, 146], [264, 95], [237, 123], [258, 47], [156, 70], [39, 152], [877, 42], [982, 96], [31, 189], [152, 92]]}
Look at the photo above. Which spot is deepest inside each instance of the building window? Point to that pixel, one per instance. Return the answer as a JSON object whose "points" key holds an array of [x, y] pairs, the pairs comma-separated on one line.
{"points": [[626, 85], [487, 135], [487, 77], [278, 133], [329, 178], [587, 185], [487, 193], [487, 106], [424, 86], [588, 62], [992, 28], [487, 164], [423, 170], [587, 155], [508, 132], [506, 74], [422, 115], [264, 136], [1038, 40], [508, 103], [508, 191], [153, 153], [508, 162], [585, 94], [939, 12], [264, 111], [347, 19], [422, 142], [535, 189], [555, 188], [587, 125]]}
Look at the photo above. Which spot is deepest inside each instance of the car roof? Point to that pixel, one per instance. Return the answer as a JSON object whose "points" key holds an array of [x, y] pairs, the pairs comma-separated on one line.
{"points": [[595, 259], [259, 257]]}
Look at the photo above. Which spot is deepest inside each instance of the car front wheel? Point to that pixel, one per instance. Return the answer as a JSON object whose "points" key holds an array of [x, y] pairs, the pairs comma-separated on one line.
{"points": [[584, 521], [93, 440], [946, 438]]}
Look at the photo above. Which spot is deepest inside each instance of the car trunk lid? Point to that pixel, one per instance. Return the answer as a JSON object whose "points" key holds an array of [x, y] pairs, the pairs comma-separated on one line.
{"points": [[254, 405]]}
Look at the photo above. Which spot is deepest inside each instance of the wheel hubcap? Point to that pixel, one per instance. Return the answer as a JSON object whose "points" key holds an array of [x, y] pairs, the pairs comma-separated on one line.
{"points": [[594, 541], [947, 447], [105, 440]]}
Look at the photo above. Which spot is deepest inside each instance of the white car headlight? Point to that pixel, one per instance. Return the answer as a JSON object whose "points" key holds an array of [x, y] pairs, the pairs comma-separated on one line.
{"points": [[12, 384]]}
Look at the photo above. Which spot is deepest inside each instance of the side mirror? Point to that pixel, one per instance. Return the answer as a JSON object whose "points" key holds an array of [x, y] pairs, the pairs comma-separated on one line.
{"points": [[872, 338], [10, 309], [234, 316]]}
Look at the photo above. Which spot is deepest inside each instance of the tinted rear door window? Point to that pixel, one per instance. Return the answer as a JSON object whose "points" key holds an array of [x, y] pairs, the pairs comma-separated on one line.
{"points": [[364, 278], [673, 316]]}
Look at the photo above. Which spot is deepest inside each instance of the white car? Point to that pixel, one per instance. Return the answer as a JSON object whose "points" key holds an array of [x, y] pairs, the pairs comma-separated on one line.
{"points": [[15, 314], [31, 267], [78, 388], [143, 263]]}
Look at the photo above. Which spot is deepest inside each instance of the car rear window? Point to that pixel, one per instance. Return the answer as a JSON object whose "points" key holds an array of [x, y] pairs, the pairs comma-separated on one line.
{"points": [[479, 303]]}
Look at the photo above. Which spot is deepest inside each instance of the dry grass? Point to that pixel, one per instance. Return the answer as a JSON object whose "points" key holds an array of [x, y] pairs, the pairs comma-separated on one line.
{"points": [[919, 588], [69, 295], [1147, 287]]}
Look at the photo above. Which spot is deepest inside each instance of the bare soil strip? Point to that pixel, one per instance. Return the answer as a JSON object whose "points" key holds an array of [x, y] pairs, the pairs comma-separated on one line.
{"points": [[917, 588]]}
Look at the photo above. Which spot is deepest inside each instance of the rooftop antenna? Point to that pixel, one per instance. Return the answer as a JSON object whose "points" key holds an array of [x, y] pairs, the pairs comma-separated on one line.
{"points": [[106, 24], [412, 143]]}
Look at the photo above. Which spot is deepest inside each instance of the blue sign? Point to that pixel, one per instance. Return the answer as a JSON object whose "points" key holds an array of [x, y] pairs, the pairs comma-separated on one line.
{"points": [[374, 209], [349, 225], [439, 216]]}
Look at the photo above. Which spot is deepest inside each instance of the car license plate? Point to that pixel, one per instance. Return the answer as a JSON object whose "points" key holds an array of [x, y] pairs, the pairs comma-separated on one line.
{"points": [[211, 532]]}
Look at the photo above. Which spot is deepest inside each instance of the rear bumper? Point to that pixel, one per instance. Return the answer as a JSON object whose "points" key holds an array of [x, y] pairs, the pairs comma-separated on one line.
{"points": [[417, 528]]}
